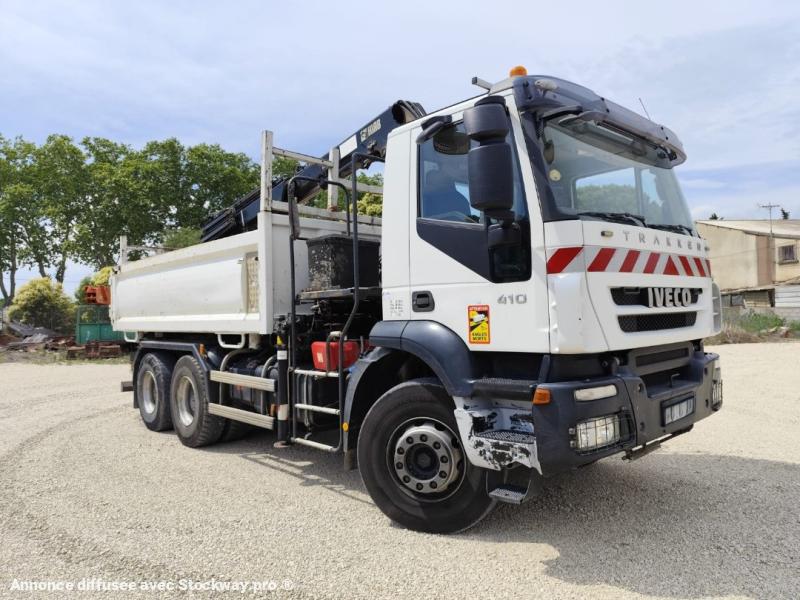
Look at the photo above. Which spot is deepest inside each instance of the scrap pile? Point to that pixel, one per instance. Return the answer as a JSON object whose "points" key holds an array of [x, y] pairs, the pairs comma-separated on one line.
{"points": [[21, 337]]}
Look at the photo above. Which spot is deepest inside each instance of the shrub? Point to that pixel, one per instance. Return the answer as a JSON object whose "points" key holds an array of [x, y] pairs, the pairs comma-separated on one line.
{"points": [[755, 322], [43, 303]]}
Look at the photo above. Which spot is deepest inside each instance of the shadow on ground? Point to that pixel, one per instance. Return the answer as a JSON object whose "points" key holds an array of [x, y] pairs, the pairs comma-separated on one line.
{"points": [[675, 525]]}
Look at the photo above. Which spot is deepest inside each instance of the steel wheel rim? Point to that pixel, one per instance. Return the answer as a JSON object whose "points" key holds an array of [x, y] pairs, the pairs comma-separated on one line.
{"points": [[149, 392], [186, 397], [425, 458]]}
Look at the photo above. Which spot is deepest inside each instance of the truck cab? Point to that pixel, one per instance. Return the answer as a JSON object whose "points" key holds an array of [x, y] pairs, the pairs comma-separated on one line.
{"points": [[541, 303]]}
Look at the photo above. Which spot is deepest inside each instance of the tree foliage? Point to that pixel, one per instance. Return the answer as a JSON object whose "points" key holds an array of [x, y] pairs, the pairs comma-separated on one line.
{"points": [[42, 303], [371, 204], [64, 201], [181, 238]]}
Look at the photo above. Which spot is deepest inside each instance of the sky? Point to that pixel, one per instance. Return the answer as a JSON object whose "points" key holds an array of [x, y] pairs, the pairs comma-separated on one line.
{"points": [[725, 76]]}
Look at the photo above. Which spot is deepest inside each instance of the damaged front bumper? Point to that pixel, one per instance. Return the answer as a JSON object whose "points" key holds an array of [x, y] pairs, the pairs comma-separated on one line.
{"points": [[637, 408]]}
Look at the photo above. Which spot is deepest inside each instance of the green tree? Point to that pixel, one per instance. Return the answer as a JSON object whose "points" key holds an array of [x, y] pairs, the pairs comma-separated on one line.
{"points": [[215, 178], [102, 276], [61, 186], [23, 238], [43, 303], [370, 204], [80, 292], [181, 237], [145, 194]]}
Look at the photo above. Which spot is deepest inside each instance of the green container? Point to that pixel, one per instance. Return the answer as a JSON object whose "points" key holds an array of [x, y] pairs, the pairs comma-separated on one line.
{"points": [[94, 325]]}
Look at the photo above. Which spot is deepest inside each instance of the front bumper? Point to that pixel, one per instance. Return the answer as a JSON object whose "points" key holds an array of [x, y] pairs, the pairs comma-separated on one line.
{"points": [[501, 428], [638, 407]]}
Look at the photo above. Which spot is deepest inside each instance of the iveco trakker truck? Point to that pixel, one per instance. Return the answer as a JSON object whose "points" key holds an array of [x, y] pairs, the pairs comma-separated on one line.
{"points": [[533, 298]]}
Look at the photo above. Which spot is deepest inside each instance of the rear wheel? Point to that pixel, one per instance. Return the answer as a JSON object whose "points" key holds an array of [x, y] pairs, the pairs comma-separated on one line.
{"points": [[189, 401], [236, 430], [153, 379], [412, 463]]}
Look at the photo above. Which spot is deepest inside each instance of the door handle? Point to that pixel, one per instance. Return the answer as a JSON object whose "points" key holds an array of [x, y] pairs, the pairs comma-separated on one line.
{"points": [[422, 301]]}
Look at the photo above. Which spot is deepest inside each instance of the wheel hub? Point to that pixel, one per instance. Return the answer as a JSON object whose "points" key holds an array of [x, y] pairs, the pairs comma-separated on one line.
{"points": [[427, 457], [149, 392], [187, 401]]}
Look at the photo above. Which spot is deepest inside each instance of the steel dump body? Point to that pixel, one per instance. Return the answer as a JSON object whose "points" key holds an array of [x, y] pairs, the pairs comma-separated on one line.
{"points": [[232, 285]]}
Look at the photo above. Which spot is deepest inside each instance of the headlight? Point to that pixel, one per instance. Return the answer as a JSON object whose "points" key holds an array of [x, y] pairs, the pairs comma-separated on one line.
{"points": [[596, 393], [597, 433]]}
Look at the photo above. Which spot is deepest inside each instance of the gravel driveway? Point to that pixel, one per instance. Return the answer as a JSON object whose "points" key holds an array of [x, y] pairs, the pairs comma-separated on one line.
{"points": [[87, 493]]}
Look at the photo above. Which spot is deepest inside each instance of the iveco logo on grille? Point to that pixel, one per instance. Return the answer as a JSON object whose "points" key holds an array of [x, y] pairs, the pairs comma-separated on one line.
{"points": [[665, 297]]}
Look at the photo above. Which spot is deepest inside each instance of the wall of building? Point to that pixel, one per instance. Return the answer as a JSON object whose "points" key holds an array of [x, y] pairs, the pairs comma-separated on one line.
{"points": [[733, 255], [789, 270]]}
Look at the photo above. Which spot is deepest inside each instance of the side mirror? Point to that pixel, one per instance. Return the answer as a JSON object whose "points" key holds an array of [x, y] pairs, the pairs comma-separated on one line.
{"points": [[491, 171]]}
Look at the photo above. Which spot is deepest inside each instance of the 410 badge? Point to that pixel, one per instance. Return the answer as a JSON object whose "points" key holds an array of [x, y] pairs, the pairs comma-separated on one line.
{"points": [[479, 324]]}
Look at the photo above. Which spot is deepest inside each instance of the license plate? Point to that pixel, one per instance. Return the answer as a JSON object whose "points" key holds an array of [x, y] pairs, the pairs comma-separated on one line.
{"points": [[677, 410]]}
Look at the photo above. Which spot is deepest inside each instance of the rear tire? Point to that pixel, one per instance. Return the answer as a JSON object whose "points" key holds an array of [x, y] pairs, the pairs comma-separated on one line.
{"points": [[412, 463], [189, 401], [153, 379]]}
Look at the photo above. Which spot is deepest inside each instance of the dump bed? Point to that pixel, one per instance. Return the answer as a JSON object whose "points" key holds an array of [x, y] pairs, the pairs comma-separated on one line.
{"points": [[231, 285]]}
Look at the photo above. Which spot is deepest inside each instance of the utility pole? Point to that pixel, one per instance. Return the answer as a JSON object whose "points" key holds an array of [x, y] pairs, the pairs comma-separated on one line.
{"points": [[769, 207]]}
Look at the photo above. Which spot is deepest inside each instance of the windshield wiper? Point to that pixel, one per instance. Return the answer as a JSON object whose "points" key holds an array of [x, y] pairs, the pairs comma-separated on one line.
{"points": [[669, 227], [621, 217]]}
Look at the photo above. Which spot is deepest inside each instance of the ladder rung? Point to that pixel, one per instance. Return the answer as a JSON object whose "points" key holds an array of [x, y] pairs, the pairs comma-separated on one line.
{"points": [[312, 444], [320, 409], [248, 381], [245, 416], [314, 373]]}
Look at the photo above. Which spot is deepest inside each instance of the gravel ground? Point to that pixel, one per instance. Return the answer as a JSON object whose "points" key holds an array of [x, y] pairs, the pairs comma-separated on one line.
{"points": [[86, 492]]}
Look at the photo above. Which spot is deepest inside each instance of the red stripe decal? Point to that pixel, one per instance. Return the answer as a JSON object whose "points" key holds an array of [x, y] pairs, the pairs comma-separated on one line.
{"points": [[708, 267], [700, 268], [686, 266], [670, 268], [652, 262], [602, 259], [561, 258], [630, 261]]}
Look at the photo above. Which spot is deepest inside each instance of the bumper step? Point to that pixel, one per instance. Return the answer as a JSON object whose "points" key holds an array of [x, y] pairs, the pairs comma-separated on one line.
{"points": [[507, 435], [510, 494]]}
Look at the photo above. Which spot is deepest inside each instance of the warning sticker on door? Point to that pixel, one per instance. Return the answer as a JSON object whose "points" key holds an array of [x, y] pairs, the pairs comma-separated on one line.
{"points": [[478, 317]]}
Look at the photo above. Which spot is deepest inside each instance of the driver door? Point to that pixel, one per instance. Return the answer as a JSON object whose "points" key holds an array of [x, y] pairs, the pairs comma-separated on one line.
{"points": [[456, 279]]}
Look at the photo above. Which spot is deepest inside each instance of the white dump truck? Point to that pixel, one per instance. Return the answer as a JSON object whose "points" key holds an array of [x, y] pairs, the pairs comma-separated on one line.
{"points": [[534, 298]]}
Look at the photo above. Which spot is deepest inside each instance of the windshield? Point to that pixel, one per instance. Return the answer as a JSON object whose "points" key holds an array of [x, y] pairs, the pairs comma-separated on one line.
{"points": [[596, 172]]}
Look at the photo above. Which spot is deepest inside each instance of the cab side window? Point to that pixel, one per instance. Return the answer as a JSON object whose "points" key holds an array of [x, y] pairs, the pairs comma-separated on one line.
{"points": [[447, 221], [444, 187], [444, 179]]}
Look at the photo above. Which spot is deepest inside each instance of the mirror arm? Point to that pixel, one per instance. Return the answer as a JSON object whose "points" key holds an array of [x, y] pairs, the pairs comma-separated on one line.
{"points": [[433, 126]]}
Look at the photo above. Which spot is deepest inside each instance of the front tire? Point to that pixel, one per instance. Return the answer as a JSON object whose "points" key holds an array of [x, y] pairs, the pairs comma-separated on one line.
{"points": [[189, 397], [412, 463]]}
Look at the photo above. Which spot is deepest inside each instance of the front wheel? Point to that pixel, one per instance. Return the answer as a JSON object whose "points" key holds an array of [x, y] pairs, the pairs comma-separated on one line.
{"points": [[412, 463]]}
